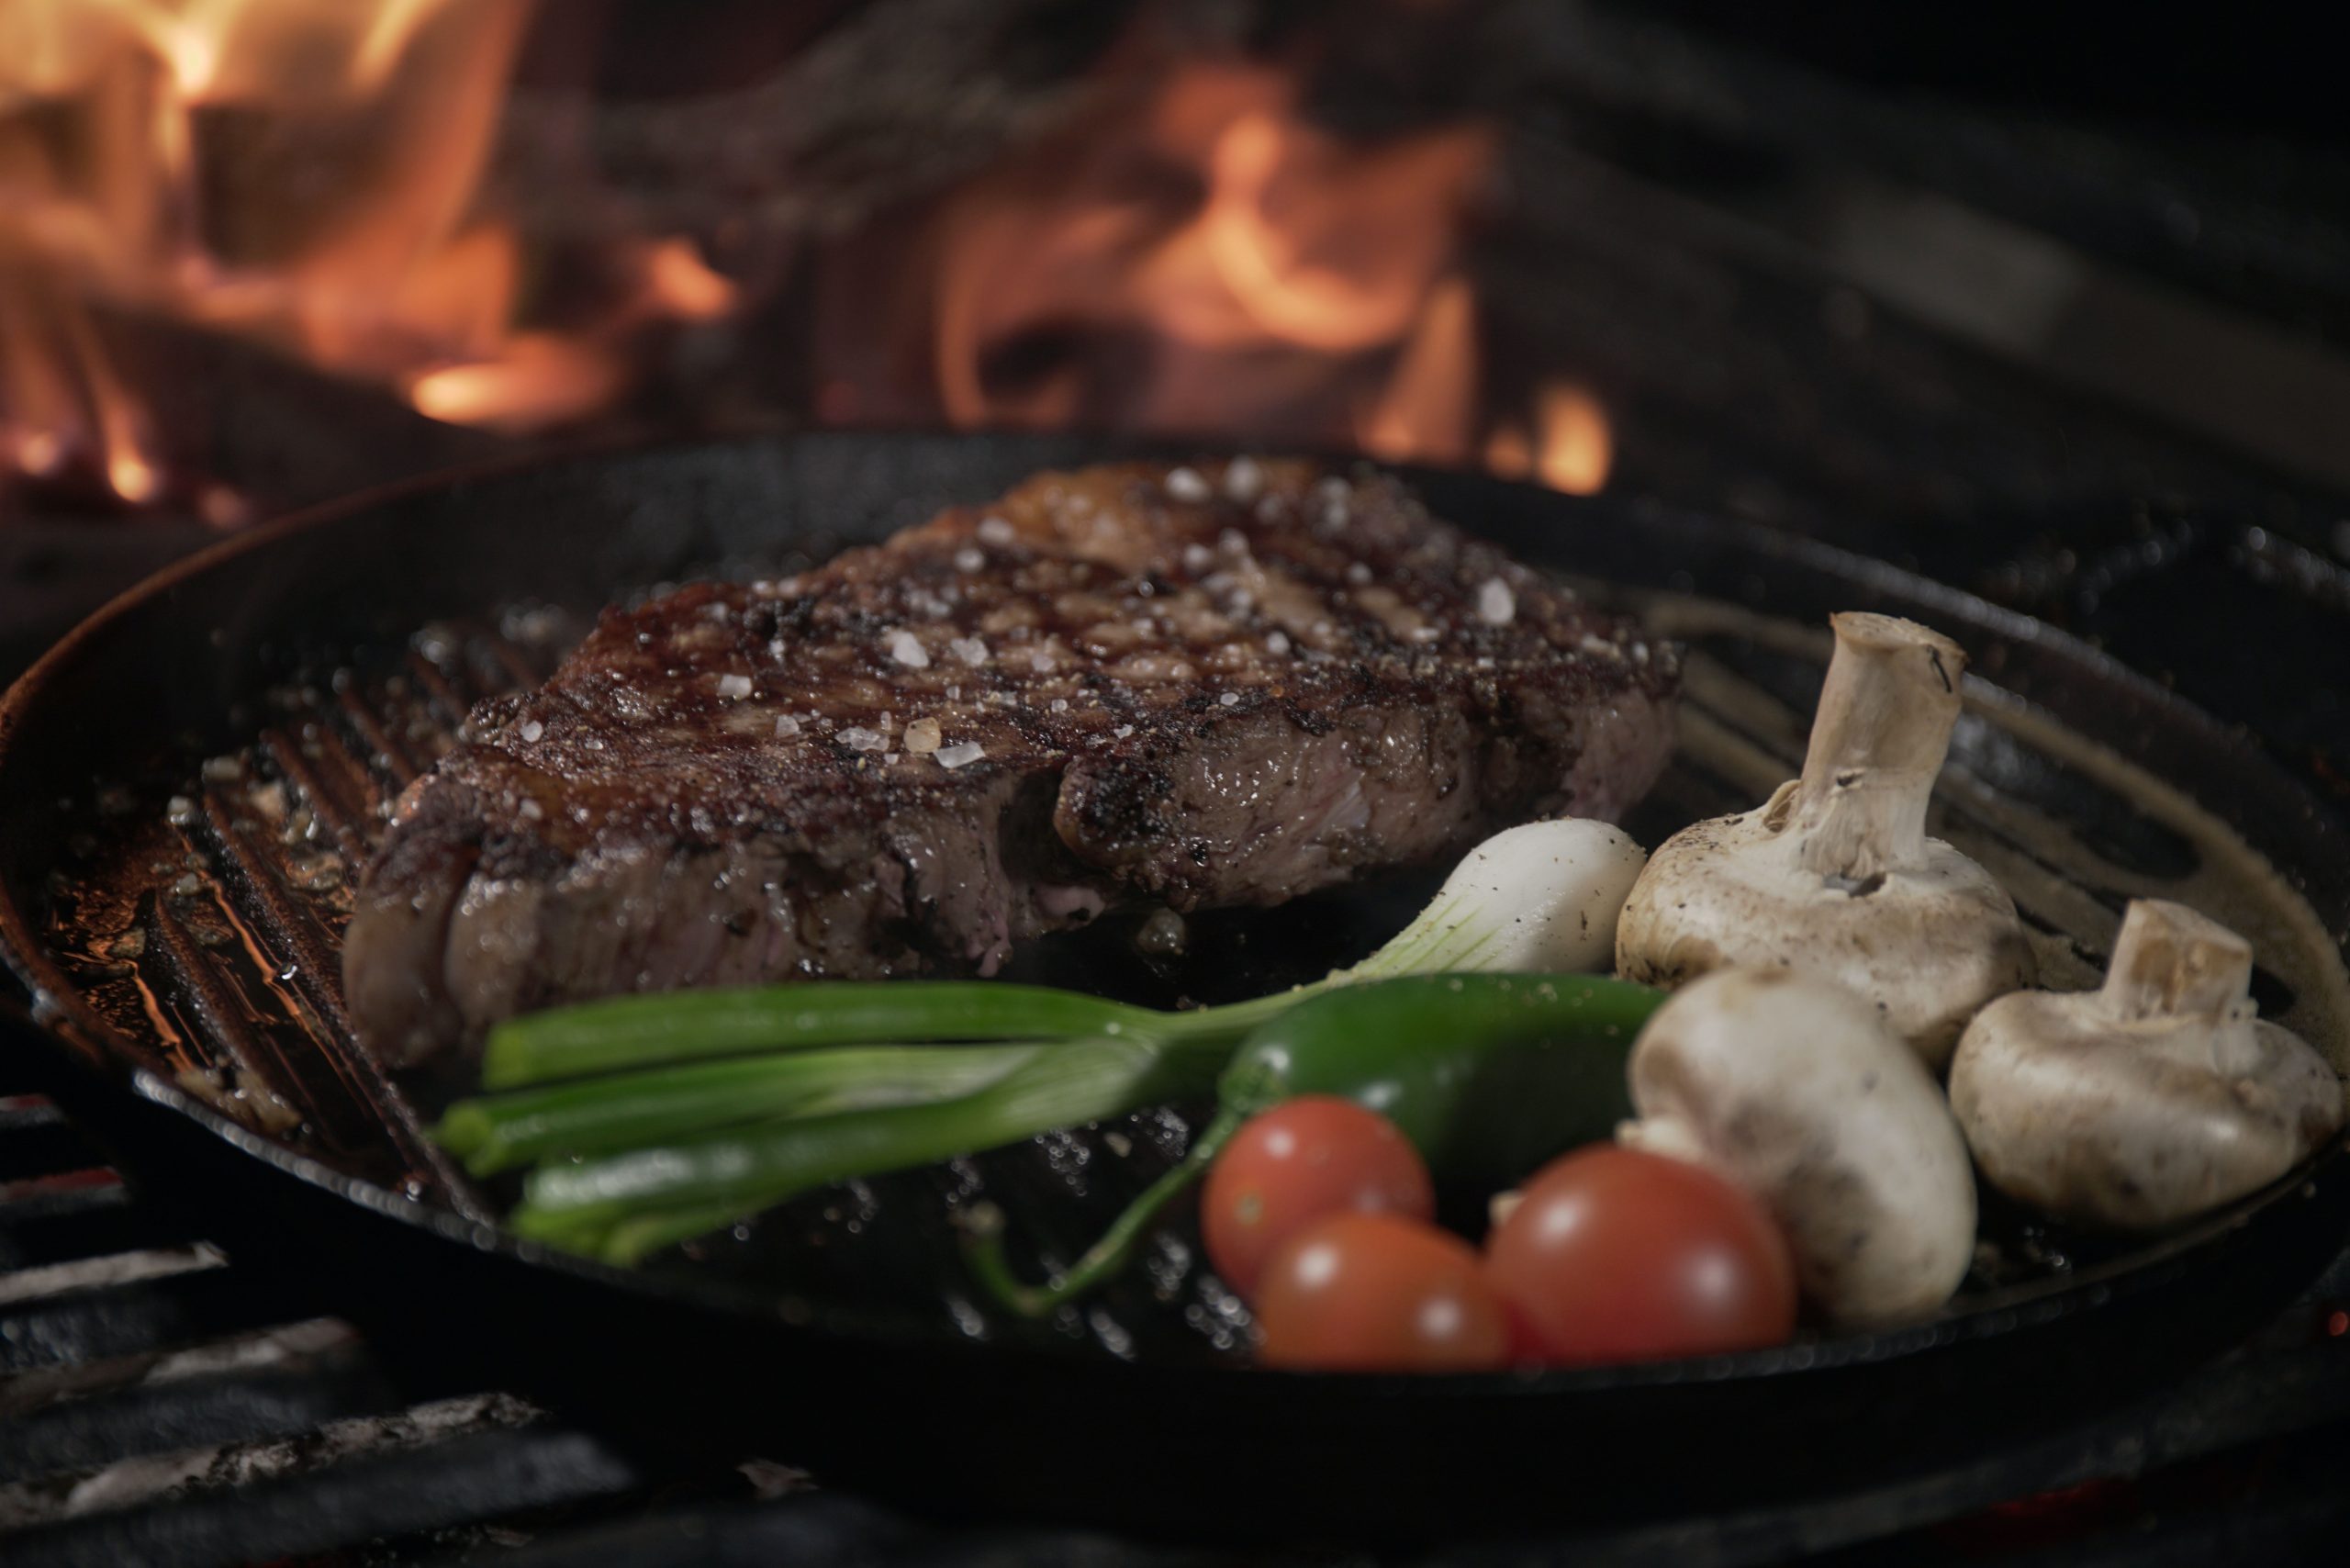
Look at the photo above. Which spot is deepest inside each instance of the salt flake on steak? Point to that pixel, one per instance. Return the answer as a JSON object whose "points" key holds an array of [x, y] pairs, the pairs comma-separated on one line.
{"points": [[1496, 606]]}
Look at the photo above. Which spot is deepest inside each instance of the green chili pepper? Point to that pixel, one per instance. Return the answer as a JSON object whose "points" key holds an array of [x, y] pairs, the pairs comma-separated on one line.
{"points": [[1488, 1075]]}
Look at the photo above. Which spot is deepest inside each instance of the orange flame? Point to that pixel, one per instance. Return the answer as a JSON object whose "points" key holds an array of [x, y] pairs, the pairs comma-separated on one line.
{"points": [[1205, 259], [1427, 407], [539, 376], [1576, 446], [1304, 258], [345, 222]]}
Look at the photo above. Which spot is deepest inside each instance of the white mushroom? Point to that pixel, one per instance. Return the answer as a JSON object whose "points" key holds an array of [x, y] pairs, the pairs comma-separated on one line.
{"points": [[2153, 1099], [1793, 1087], [1835, 875]]}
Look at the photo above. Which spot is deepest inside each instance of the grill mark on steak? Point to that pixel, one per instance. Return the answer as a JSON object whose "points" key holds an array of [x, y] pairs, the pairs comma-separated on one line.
{"points": [[1247, 684]]}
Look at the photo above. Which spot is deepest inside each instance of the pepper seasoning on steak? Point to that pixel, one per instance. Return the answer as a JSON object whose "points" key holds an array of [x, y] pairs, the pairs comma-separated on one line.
{"points": [[1224, 684]]}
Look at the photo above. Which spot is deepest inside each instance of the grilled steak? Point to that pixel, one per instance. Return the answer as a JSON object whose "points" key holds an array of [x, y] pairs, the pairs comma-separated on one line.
{"points": [[1208, 686]]}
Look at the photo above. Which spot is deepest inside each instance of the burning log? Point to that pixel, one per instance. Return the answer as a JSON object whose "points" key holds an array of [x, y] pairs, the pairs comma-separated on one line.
{"points": [[893, 100], [290, 433]]}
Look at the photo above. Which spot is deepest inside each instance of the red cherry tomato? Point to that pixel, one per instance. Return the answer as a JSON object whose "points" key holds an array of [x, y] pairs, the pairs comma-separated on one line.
{"points": [[1619, 1255], [1379, 1292], [1303, 1160]]}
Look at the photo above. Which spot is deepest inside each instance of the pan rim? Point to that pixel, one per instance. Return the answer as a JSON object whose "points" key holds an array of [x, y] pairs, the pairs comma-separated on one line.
{"points": [[1987, 1316]]}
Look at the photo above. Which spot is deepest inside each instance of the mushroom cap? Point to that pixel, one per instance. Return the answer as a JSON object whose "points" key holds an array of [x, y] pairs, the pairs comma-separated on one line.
{"points": [[1795, 1089], [1928, 944], [2135, 1123]]}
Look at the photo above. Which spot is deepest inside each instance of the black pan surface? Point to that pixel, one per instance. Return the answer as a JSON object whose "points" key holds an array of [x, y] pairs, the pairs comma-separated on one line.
{"points": [[826, 1336]]}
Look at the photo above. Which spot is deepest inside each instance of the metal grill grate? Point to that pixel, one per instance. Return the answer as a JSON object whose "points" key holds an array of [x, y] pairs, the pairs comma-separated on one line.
{"points": [[158, 1406]]}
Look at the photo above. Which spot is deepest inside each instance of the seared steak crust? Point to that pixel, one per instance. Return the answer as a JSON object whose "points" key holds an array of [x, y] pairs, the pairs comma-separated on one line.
{"points": [[1226, 684]]}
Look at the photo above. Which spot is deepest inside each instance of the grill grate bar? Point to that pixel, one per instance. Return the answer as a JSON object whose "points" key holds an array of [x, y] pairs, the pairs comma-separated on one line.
{"points": [[57, 1207], [285, 755], [441, 699], [287, 1346], [23, 1112], [286, 922], [482, 1475], [60, 1224], [85, 1435], [201, 987], [266, 1092], [285, 925], [103, 1269], [157, 1473], [117, 1320], [354, 781], [372, 730]]}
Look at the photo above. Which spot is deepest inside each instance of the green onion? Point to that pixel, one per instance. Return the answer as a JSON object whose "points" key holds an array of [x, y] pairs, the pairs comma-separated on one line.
{"points": [[647, 1031], [741, 1172], [630, 1110]]}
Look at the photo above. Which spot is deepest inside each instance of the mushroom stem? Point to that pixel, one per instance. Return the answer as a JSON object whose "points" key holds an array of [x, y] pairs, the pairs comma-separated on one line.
{"points": [[2172, 962], [1877, 742], [1664, 1133]]}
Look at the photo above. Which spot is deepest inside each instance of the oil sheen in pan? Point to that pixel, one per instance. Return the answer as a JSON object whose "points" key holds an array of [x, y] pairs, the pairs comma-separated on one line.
{"points": [[162, 905]]}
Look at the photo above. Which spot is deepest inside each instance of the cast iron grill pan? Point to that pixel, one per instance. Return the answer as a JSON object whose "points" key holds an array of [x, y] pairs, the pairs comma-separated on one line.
{"points": [[191, 782]]}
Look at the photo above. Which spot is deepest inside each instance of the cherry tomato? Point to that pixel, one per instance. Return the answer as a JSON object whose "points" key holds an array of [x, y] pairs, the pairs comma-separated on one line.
{"points": [[1620, 1255], [1379, 1292], [1302, 1161]]}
